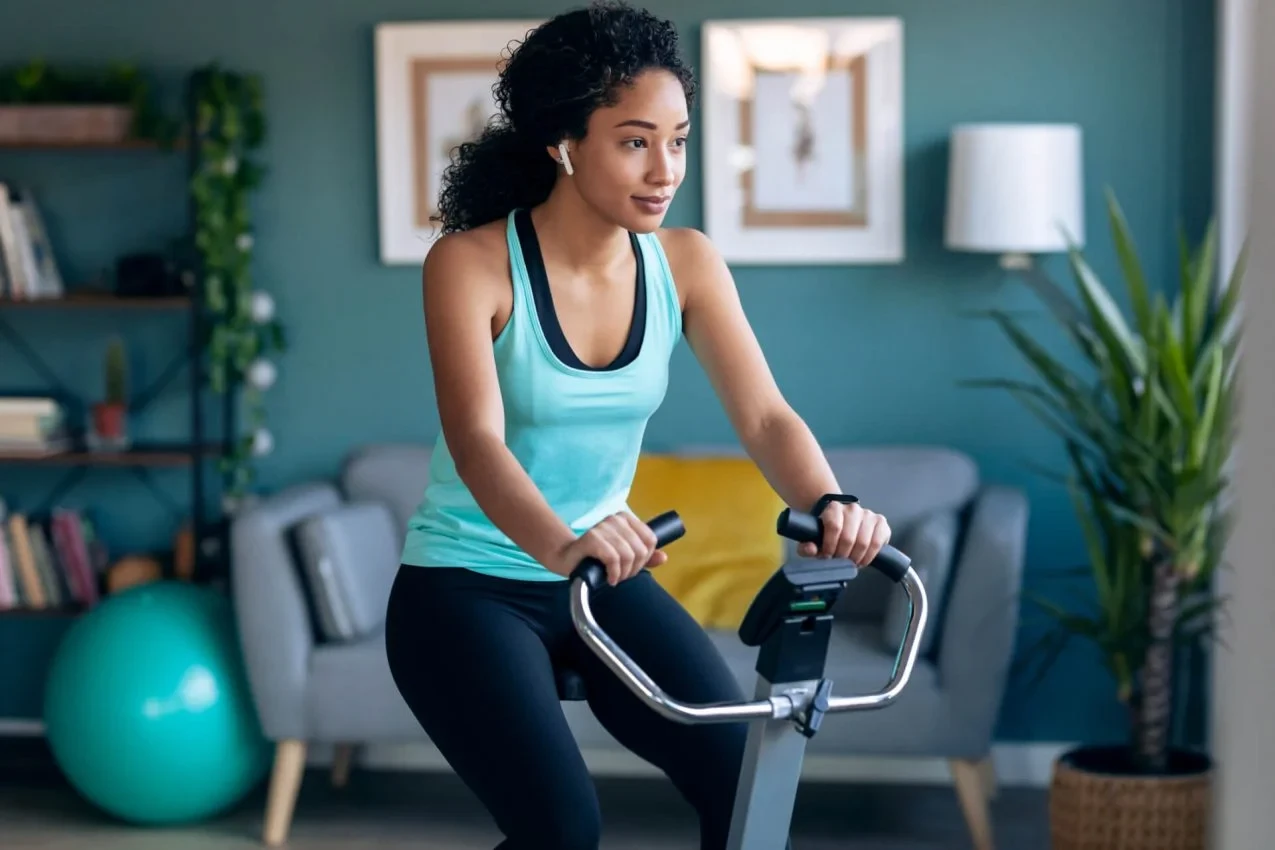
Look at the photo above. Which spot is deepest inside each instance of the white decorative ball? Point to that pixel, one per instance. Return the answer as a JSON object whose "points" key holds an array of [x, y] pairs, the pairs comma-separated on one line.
{"points": [[261, 307], [262, 442], [262, 373]]}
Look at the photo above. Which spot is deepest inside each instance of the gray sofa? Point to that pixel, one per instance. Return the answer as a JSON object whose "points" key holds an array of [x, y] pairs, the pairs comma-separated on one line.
{"points": [[312, 565]]}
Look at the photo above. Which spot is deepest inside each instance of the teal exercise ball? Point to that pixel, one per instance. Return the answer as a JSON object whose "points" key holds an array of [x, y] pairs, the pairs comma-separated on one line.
{"points": [[147, 710]]}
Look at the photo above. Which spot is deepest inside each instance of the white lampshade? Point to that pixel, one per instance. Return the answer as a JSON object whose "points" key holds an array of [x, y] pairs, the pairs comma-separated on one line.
{"points": [[1015, 188]]}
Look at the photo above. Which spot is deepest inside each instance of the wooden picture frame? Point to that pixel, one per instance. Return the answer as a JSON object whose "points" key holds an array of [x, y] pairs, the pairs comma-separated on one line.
{"points": [[803, 128], [433, 91]]}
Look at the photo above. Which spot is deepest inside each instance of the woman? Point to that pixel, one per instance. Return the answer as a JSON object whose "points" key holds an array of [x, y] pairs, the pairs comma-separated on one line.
{"points": [[553, 301]]}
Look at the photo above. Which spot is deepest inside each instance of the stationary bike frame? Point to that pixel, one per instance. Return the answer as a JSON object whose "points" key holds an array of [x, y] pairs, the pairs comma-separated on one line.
{"points": [[790, 621]]}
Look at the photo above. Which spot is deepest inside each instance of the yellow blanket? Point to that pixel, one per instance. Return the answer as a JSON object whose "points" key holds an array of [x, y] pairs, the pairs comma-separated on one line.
{"points": [[730, 547]]}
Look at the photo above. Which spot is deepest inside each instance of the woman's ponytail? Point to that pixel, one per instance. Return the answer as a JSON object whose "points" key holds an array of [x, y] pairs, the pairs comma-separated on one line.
{"points": [[491, 176]]}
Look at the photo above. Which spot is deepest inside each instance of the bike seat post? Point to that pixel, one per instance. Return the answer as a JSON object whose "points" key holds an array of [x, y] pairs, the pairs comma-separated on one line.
{"points": [[570, 684]]}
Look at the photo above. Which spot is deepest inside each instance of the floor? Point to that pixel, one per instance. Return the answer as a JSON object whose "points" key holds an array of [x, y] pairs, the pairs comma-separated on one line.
{"points": [[400, 811]]}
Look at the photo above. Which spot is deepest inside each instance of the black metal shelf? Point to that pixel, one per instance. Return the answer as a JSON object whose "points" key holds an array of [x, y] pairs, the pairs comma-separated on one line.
{"points": [[189, 452]]}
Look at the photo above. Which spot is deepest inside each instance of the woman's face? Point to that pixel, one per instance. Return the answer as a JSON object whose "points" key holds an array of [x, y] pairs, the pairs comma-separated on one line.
{"points": [[633, 156]]}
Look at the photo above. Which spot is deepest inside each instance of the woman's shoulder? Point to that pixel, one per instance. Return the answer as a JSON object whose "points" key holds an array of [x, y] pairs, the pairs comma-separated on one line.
{"points": [[686, 246], [692, 256], [476, 249], [477, 254]]}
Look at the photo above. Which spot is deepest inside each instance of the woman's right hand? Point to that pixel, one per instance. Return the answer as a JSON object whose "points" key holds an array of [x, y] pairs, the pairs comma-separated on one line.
{"points": [[621, 542]]}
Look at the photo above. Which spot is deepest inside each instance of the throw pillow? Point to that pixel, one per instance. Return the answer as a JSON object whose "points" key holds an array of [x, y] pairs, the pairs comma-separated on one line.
{"points": [[349, 556], [730, 547]]}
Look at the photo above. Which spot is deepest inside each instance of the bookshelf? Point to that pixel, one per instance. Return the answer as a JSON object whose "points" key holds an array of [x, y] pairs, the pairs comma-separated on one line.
{"points": [[208, 433]]}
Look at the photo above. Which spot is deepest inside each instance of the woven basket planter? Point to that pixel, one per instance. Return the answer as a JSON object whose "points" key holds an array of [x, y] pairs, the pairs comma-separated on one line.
{"points": [[65, 125], [1096, 803]]}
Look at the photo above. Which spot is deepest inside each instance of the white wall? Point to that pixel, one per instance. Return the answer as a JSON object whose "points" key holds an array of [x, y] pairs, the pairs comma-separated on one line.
{"points": [[1244, 688]]}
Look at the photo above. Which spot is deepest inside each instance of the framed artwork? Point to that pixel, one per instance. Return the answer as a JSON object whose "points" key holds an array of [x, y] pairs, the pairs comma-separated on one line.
{"points": [[803, 130], [433, 92]]}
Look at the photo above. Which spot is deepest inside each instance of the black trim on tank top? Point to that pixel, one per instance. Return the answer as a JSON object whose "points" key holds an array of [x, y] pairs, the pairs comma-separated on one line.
{"points": [[548, 316]]}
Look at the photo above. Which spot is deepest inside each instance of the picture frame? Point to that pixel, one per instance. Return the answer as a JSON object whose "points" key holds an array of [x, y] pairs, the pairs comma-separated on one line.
{"points": [[433, 91], [803, 140]]}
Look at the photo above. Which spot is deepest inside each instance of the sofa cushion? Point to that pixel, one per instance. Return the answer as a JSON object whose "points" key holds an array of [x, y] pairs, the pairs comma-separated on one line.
{"points": [[730, 548], [351, 695], [349, 555], [931, 544]]}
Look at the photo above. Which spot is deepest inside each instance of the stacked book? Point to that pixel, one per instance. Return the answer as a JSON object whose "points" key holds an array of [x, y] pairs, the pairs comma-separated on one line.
{"points": [[28, 269], [50, 562], [34, 425]]}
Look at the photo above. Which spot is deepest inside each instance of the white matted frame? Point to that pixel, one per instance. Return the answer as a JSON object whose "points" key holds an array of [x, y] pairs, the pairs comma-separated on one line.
{"points": [[433, 91], [803, 129]]}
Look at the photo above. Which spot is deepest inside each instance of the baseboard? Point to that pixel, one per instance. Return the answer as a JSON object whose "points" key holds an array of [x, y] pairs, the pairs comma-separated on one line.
{"points": [[1017, 765], [21, 728]]}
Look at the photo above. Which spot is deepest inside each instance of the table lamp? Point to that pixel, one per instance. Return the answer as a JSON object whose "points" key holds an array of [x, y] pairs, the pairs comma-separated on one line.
{"points": [[1015, 190]]}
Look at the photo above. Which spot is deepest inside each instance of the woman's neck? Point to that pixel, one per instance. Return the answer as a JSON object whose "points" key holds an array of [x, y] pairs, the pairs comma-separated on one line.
{"points": [[579, 238]]}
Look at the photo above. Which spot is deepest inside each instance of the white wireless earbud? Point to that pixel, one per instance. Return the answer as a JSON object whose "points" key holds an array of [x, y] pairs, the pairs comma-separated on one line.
{"points": [[566, 160]]}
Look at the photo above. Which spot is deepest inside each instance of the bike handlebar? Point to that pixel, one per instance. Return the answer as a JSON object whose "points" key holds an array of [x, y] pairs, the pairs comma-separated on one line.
{"points": [[590, 576], [805, 528], [667, 527]]}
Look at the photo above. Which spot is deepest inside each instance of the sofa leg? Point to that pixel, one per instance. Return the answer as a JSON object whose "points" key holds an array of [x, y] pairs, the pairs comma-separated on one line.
{"points": [[285, 782], [972, 791], [342, 756], [988, 771]]}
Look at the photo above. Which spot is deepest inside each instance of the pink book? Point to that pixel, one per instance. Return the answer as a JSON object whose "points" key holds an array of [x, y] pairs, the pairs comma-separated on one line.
{"points": [[8, 594]]}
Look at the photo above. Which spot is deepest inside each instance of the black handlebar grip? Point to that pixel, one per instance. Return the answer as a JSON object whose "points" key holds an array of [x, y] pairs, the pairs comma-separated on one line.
{"points": [[807, 528], [591, 572], [667, 526]]}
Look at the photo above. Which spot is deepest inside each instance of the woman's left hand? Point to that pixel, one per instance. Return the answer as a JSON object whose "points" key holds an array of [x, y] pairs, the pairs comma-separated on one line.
{"points": [[849, 532]]}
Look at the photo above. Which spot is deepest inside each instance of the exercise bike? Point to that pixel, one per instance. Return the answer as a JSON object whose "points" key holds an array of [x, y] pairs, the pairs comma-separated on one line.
{"points": [[790, 619]]}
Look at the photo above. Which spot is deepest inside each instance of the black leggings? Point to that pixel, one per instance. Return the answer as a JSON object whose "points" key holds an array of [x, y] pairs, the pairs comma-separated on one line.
{"points": [[473, 656]]}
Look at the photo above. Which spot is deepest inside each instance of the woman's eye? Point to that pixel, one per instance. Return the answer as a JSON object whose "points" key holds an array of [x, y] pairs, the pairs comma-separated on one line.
{"points": [[637, 143]]}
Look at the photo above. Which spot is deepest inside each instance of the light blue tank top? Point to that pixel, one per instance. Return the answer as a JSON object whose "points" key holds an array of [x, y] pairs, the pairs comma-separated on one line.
{"points": [[576, 430]]}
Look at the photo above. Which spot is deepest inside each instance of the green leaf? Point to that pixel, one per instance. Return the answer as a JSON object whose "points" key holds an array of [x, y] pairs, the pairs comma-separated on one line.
{"points": [[1197, 291], [1107, 320], [1134, 278], [1213, 391], [1093, 545], [1178, 382]]}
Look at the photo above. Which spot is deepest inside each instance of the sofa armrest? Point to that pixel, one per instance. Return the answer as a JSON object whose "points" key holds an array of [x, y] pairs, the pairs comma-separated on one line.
{"points": [[981, 618], [271, 610]]}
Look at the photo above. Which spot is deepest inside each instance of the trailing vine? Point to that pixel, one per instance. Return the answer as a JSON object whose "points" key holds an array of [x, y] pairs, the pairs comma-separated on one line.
{"points": [[241, 329]]}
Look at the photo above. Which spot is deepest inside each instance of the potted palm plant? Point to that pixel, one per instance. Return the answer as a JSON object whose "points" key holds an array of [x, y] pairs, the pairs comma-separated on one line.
{"points": [[1147, 425]]}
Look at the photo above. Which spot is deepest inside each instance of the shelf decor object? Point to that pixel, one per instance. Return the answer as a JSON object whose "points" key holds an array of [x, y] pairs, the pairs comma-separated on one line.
{"points": [[110, 414], [44, 105]]}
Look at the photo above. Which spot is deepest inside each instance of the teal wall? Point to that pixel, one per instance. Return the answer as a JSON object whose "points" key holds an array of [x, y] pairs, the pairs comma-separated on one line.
{"points": [[1136, 75]]}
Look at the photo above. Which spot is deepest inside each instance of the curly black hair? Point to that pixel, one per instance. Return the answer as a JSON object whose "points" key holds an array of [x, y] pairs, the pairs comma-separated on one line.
{"points": [[552, 82]]}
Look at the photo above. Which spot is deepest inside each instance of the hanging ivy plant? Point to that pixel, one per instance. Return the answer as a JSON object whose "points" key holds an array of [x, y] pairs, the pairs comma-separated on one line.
{"points": [[241, 330]]}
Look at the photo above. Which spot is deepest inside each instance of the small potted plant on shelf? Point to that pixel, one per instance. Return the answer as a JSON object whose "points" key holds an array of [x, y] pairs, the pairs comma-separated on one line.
{"points": [[1147, 423], [110, 415], [41, 104]]}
